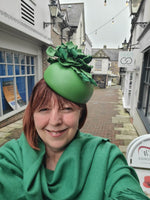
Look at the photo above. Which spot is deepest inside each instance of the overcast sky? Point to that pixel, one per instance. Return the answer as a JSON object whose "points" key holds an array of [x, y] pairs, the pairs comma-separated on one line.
{"points": [[98, 22]]}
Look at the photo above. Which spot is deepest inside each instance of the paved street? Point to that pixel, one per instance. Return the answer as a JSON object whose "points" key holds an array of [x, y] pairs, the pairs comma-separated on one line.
{"points": [[106, 118]]}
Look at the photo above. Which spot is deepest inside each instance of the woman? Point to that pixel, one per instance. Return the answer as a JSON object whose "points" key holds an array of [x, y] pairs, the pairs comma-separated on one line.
{"points": [[52, 159]]}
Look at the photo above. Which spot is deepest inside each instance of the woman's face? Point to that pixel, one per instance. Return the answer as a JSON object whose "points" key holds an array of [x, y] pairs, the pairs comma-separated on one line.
{"points": [[57, 126]]}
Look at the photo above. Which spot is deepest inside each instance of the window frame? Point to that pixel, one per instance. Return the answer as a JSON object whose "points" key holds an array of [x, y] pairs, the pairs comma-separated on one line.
{"points": [[97, 66], [17, 73], [145, 89]]}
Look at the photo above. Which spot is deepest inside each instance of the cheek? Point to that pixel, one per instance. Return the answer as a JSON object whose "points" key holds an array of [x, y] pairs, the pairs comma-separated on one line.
{"points": [[72, 120], [39, 121]]}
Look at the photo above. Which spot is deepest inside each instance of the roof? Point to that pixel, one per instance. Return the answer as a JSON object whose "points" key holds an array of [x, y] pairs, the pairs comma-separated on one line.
{"points": [[100, 54], [74, 12], [111, 53]]}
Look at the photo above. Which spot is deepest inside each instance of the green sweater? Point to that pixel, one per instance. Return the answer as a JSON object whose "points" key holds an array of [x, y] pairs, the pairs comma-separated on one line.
{"points": [[91, 168]]}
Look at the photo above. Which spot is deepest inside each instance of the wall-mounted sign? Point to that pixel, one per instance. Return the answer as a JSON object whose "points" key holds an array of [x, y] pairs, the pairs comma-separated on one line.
{"points": [[125, 59]]}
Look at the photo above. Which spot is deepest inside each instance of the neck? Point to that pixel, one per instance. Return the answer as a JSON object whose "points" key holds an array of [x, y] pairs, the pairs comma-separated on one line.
{"points": [[52, 159]]}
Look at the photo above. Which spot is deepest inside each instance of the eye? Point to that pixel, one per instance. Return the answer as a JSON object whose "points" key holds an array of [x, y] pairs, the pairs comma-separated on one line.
{"points": [[43, 109], [67, 109]]}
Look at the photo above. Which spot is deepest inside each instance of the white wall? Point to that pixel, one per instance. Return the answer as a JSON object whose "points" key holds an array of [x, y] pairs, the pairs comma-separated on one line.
{"points": [[139, 44], [78, 36], [10, 14], [104, 69], [88, 48], [104, 66]]}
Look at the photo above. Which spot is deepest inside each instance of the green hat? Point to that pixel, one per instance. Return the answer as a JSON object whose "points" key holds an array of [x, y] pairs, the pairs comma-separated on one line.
{"points": [[69, 73]]}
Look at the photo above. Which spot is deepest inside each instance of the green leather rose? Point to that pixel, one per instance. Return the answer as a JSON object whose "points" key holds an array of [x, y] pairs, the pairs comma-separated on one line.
{"points": [[69, 56]]}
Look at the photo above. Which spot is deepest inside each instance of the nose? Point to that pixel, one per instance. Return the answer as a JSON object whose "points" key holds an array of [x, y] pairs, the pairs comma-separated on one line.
{"points": [[55, 118]]}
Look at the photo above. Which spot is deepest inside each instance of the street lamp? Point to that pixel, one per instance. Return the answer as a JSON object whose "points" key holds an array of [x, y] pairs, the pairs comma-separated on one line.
{"points": [[127, 3], [134, 6], [125, 44], [53, 12], [53, 8]]}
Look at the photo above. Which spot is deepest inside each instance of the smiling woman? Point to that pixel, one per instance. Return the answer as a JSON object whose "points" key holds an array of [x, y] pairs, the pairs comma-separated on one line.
{"points": [[42, 103], [53, 160], [57, 125]]}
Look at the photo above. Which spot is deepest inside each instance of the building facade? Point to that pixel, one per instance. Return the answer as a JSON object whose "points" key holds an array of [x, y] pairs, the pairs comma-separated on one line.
{"points": [[22, 43], [139, 44], [76, 22], [27, 28], [105, 66]]}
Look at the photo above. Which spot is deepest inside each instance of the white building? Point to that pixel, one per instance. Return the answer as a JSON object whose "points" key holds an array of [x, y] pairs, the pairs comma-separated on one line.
{"points": [[22, 40], [139, 76], [76, 22], [105, 66]]}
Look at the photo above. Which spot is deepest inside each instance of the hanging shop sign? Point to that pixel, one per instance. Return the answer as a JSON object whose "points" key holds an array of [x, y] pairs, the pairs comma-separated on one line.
{"points": [[125, 59]]}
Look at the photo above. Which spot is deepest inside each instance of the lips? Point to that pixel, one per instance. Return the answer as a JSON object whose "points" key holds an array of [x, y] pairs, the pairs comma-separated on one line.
{"points": [[58, 133]]}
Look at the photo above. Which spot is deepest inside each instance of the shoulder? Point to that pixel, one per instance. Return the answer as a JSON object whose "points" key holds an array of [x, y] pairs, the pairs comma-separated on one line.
{"points": [[89, 138], [102, 145], [12, 150]]}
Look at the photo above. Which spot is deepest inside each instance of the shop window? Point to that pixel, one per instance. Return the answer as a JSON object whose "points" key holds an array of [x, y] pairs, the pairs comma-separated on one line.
{"points": [[144, 97], [17, 78]]}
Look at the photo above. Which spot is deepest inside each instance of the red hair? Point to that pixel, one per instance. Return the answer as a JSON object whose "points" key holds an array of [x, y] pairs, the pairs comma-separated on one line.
{"points": [[40, 96]]}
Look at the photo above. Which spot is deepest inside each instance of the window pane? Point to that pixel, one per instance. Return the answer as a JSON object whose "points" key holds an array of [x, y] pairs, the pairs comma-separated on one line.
{"points": [[146, 76], [2, 70], [27, 59], [22, 59], [9, 57], [16, 57], [32, 60], [28, 70], [7, 94], [98, 64], [30, 84], [148, 79], [21, 91], [10, 69], [17, 70], [22, 69], [145, 95], [32, 69], [2, 57]]}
